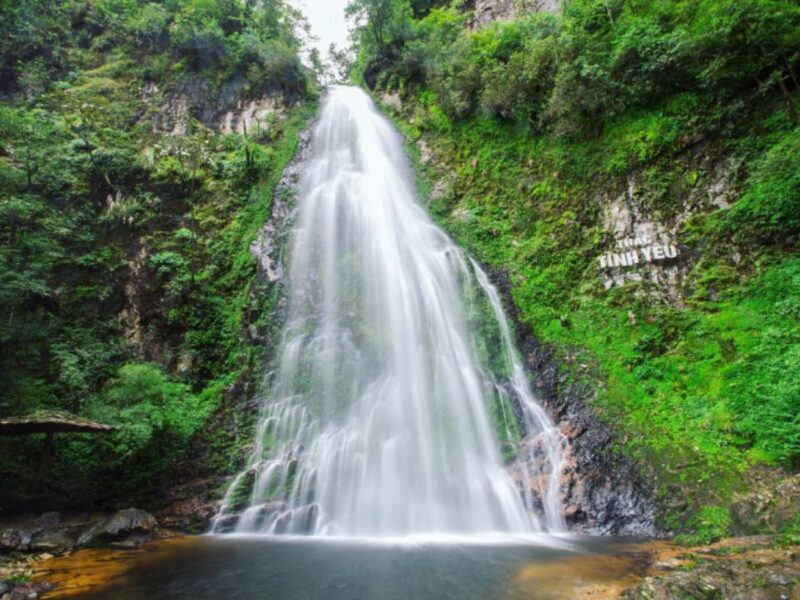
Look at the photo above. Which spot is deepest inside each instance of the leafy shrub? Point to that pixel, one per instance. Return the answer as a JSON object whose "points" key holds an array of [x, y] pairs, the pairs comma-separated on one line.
{"points": [[167, 264], [709, 524], [93, 203], [770, 207], [198, 35], [149, 26], [145, 403], [598, 60]]}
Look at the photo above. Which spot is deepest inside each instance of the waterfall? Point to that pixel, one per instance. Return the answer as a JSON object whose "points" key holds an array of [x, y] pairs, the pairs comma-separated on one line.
{"points": [[397, 390]]}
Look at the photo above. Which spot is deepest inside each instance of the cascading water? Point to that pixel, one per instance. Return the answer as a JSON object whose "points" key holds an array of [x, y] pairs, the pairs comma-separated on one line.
{"points": [[396, 372]]}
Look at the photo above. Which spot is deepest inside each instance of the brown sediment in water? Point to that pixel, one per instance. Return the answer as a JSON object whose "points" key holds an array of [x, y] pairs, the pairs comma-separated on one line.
{"points": [[595, 576], [91, 569], [663, 564]]}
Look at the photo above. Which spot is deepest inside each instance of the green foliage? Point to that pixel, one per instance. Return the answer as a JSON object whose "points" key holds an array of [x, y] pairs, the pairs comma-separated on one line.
{"points": [[570, 74], [144, 402], [790, 532], [124, 263], [44, 41], [708, 525], [763, 384], [770, 208]]}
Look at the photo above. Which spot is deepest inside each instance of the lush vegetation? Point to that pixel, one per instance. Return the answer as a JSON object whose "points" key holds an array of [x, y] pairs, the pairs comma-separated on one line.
{"points": [[125, 276], [528, 130]]}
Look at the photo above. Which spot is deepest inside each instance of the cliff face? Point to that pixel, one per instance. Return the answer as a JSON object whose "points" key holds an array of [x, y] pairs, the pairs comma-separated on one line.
{"points": [[645, 245], [643, 272]]}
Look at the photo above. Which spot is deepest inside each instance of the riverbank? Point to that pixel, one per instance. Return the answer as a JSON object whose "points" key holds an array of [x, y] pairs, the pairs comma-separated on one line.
{"points": [[27, 541]]}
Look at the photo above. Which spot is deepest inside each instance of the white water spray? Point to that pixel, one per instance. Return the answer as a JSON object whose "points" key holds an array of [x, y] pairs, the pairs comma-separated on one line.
{"points": [[383, 415]]}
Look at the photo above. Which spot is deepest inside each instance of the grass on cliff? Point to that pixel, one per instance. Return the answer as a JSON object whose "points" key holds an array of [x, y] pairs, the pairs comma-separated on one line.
{"points": [[538, 124]]}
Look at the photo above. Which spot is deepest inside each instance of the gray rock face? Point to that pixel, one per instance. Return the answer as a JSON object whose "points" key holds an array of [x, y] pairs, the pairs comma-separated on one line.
{"points": [[55, 539], [273, 235], [769, 502], [631, 224], [25, 591], [49, 533], [225, 110], [601, 492], [488, 11]]}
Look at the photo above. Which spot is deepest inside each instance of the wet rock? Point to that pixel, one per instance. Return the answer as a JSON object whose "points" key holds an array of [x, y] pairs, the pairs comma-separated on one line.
{"points": [[669, 564], [757, 575], [15, 540], [25, 591], [307, 518], [55, 539], [273, 235], [602, 493], [771, 500], [298, 521], [270, 508], [192, 514], [227, 523], [126, 528], [260, 518]]}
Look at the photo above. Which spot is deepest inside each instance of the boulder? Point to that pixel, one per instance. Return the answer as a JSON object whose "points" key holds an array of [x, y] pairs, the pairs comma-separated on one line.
{"points": [[602, 493], [24, 591], [191, 514], [126, 528], [54, 539], [227, 523], [15, 540]]}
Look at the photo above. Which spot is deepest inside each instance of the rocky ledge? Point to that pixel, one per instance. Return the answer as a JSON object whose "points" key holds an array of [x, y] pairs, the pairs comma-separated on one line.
{"points": [[747, 568], [27, 541]]}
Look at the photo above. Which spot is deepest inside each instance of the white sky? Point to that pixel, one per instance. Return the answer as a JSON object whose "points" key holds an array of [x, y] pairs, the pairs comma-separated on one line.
{"points": [[327, 22]]}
